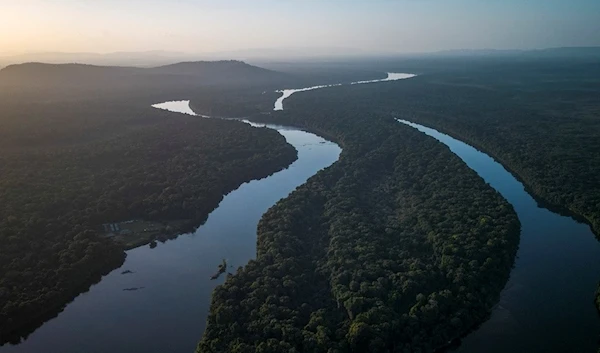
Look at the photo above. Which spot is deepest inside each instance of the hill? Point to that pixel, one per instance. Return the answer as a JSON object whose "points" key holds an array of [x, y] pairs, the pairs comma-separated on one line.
{"points": [[63, 74], [225, 71], [559, 52], [140, 59], [568, 52], [196, 73]]}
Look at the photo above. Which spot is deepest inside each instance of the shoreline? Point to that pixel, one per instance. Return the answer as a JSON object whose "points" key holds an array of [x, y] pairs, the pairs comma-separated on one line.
{"points": [[25, 326], [541, 201]]}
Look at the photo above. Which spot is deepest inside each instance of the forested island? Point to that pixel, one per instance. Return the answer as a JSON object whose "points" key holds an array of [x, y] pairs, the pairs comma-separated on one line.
{"points": [[398, 246]]}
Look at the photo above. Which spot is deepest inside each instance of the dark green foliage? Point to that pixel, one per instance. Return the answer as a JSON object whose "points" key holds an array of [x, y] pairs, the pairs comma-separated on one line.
{"points": [[397, 247], [66, 168], [80, 146], [539, 118], [218, 101]]}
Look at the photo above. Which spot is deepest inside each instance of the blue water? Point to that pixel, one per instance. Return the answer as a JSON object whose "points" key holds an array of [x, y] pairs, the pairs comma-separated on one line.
{"points": [[168, 313], [548, 303]]}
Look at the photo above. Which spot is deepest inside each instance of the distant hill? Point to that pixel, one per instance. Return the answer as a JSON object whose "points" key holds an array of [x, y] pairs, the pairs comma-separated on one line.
{"points": [[197, 73], [475, 52], [140, 59], [225, 70], [561, 52], [592, 52], [63, 74], [161, 57]]}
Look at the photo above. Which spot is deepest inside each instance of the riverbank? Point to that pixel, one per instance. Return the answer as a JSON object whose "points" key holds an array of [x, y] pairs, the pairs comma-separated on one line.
{"points": [[21, 327], [174, 278], [178, 168], [17, 330], [553, 247], [543, 202], [133, 234]]}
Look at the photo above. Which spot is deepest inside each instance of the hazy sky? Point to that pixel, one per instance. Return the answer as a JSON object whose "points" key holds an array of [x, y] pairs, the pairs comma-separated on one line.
{"points": [[221, 25]]}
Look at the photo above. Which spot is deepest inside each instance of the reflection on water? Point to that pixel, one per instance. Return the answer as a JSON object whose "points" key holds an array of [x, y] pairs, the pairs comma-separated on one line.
{"points": [[169, 314], [547, 305]]}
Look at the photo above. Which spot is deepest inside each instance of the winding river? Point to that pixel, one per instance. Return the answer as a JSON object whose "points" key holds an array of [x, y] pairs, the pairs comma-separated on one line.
{"points": [[547, 305]]}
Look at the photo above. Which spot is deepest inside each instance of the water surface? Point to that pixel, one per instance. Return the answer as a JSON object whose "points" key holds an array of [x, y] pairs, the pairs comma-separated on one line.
{"points": [[167, 311], [548, 302], [547, 305]]}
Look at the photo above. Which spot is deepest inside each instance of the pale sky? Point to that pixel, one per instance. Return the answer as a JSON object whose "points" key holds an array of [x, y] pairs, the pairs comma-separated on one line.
{"points": [[222, 25]]}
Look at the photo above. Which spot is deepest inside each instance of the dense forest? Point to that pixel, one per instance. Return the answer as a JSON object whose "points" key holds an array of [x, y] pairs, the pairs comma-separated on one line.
{"points": [[67, 168], [233, 103], [539, 118], [80, 146], [398, 246]]}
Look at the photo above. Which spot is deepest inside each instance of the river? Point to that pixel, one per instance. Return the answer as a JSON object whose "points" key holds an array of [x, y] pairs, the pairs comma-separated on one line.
{"points": [[286, 93], [168, 312], [547, 305], [548, 302]]}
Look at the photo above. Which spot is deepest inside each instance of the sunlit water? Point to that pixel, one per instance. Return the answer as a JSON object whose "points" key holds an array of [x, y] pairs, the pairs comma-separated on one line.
{"points": [[548, 303], [168, 312], [286, 93]]}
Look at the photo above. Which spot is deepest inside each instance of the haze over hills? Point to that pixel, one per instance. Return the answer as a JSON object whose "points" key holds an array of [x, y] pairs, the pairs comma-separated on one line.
{"points": [[592, 52], [231, 69], [142, 59], [160, 57]]}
